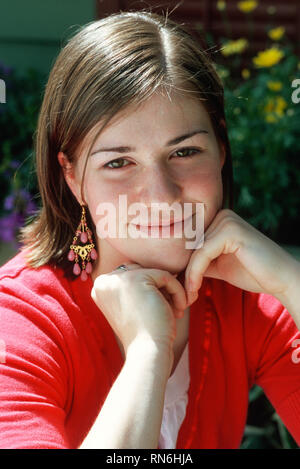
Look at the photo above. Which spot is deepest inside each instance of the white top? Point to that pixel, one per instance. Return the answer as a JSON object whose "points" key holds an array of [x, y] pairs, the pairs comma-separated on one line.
{"points": [[176, 399]]}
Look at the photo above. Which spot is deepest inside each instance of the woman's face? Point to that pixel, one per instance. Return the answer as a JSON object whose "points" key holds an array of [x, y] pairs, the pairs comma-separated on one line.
{"points": [[151, 170]]}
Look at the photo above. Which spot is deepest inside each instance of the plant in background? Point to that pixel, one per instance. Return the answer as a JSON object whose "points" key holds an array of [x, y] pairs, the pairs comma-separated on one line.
{"points": [[263, 126], [18, 118], [247, 6], [221, 5], [276, 33], [268, 57], [18, 207], [234, 47]]}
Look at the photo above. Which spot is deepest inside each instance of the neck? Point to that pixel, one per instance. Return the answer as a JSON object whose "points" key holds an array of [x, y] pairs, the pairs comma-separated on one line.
{"points": [[108, 259]]}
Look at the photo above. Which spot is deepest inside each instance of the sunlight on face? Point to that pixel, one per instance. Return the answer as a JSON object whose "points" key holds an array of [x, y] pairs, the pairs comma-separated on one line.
{"points": [[153, 167]]}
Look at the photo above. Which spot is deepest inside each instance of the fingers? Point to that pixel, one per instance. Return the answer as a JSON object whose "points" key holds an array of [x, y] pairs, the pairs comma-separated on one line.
{"points": [[174, 292], [173, 287], [225, 240], [162, 279]]}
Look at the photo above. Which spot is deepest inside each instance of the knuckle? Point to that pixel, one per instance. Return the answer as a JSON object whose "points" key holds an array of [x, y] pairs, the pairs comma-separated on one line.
{"points": [[229, 223], [99, 282], [93, 294], [228, 212], [224, 213]]}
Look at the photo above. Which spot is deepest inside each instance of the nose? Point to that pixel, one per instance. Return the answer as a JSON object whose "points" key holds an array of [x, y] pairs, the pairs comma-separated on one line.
{"points": [[156, 184], [157, 188]]}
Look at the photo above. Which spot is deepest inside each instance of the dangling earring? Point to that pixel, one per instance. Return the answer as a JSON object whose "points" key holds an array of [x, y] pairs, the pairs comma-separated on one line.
{"points": [[86, 253]]}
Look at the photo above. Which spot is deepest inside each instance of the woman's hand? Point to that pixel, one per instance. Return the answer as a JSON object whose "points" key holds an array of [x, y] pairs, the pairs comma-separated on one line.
{"points": [[236, 252], [141, 303]]}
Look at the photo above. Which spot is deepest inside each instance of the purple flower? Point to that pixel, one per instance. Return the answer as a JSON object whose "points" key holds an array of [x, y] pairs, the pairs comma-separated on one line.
{"points": [[20, 206], [9, 202], [9, 226], [31, 208], [14, 164], [5, 70], [20, 201]]}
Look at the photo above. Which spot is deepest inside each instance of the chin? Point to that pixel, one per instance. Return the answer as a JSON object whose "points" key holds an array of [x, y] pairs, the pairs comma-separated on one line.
{"points": [[171, 260], [173, 268]]}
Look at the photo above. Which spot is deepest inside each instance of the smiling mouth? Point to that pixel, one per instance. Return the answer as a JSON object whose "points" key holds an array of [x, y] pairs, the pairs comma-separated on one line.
{"points": [[163, 225], [156, 226], [169, 228]]}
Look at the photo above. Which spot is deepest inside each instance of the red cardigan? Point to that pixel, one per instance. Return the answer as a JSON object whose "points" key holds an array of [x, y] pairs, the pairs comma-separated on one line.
{"points": [[59, 359]]}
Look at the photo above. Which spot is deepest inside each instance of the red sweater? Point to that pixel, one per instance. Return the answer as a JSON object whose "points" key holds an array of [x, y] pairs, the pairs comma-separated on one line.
{"points": [[59, 359]]}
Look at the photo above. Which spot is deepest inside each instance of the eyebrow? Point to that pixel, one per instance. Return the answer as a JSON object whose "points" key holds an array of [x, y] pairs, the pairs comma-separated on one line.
{"points": [[174, 141]]}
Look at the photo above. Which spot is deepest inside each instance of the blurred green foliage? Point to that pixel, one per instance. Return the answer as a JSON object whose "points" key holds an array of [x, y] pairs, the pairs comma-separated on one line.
{"points": [[264, 428], [18, 120], [264, 131]]}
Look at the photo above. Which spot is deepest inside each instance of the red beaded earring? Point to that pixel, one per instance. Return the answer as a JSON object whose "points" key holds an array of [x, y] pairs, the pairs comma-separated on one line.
{"points": [[86, 252]]}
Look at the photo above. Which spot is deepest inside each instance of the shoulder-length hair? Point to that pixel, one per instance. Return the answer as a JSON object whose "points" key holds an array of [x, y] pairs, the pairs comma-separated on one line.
{"points": [[109, 64]]}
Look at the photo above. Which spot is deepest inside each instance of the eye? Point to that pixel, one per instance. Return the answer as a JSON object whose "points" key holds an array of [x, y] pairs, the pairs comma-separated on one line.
{"points": [[183, 150], [115, 163]]}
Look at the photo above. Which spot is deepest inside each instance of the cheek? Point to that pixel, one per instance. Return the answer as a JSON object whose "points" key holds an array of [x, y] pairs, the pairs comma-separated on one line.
{"points": [[205, 183], [102, 201]]}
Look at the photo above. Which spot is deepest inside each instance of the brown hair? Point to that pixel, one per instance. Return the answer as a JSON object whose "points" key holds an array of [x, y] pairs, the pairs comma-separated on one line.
{"points": [[109, 64]]}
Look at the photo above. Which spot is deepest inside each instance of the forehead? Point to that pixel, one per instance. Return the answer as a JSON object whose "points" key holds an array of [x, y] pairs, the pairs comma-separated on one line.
{"points": [[158, 116], [170, 110]]}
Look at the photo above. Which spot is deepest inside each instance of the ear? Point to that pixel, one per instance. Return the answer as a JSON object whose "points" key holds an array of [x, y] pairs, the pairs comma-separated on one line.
{"points": [[69, 175]]}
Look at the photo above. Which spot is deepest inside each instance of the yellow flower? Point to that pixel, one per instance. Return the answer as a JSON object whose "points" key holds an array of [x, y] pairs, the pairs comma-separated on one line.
{"points": [[245, 73], [223, 72], [271, 118], [234, 47], [268, 57], [276, 33], [274, 108], [280, 106], [221, 5], [269, 107], [247, 6], [274, 85]]}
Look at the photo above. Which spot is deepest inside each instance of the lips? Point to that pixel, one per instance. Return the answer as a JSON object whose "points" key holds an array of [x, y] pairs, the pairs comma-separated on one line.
{"points": [[157, 226], [169, 229], [173, 222]]}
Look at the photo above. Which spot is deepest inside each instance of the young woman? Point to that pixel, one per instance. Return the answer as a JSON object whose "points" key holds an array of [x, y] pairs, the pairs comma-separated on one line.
{"points": [[140, 342]]}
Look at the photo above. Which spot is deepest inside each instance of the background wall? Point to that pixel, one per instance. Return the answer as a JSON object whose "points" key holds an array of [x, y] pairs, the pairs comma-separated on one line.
{"points": [[32, 31], [223, 18]]}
